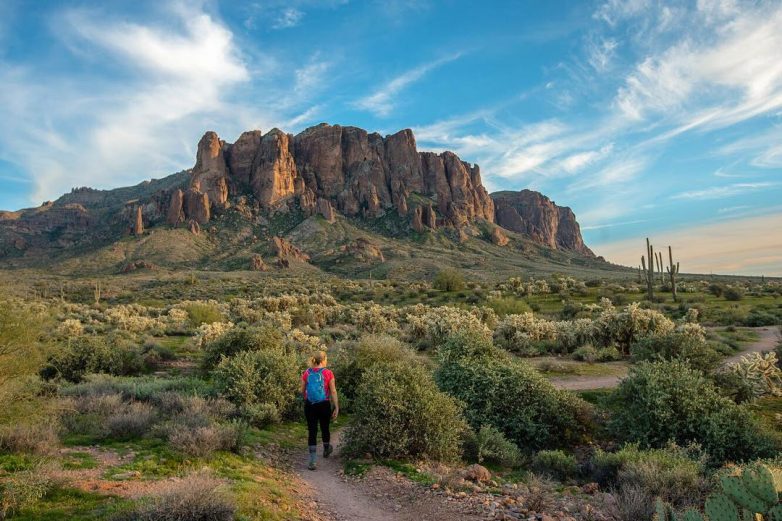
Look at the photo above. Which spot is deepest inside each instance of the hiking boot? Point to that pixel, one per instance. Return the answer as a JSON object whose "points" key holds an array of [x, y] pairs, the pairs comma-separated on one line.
{"points": [[327, 450], [313, 457], [312, 465]]}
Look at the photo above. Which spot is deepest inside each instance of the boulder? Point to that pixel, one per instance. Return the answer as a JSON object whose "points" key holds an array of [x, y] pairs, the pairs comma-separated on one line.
{"points": [[197, 206], [326, 210], [257, 264], [498, 237], [477, 473], [194, 227]]}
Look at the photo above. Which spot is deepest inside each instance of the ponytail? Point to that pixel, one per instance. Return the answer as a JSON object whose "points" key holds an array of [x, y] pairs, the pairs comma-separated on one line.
{"points": [[318, 358]]}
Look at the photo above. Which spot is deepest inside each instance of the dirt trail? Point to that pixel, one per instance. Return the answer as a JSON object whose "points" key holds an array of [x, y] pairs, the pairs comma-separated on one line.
{"points": [[380, 495], [769, 336]]}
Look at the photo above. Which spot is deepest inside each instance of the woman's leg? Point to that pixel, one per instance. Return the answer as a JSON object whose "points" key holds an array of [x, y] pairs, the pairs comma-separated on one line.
{"points": [[312, 433], [324, 418]]}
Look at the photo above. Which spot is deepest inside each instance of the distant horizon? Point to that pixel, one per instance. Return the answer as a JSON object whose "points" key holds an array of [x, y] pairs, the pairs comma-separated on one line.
{"points": [[659, 119]]}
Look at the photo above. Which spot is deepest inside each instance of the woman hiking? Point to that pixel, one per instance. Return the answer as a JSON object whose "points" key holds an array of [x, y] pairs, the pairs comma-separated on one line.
{"points": [[320, 394]]}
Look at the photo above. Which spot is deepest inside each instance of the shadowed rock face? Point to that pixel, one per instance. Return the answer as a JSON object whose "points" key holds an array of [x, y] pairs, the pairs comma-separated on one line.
{"points": [[535, 215], [357, 173]]}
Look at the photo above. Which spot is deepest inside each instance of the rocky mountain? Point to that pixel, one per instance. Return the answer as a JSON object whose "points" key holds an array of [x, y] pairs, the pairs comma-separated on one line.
{"points": [[329, 171]]}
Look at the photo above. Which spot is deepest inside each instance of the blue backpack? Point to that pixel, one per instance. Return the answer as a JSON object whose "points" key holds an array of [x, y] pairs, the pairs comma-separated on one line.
{"points": [[316, 386]]}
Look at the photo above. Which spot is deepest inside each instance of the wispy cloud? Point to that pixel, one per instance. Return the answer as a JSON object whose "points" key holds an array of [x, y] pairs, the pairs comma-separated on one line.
{"points": [[383, 100], [290, 17], [179, 70], [721, 192]]}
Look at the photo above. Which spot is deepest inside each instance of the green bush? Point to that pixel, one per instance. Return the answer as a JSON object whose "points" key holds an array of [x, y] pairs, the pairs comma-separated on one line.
{"points": [[668, 401], [400, 413], [488, 445], [555, 463], [676, 345], [500, 390], [201, 313], [733, 293], [673, 473], [448, 279], [608, 354], [85, 355], [351, 361], [269, 377], [508, 306], [241, 339], [585, 353]]}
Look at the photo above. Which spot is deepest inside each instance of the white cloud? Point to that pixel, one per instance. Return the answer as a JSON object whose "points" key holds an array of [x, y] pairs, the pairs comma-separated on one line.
{"points": [[382, 101], [287, 18], [721, 192], [106, 131], [600, 53]]}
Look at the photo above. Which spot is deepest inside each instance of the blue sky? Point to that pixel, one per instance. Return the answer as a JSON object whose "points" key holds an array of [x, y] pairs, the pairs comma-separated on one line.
{"points": [[648, 118]]}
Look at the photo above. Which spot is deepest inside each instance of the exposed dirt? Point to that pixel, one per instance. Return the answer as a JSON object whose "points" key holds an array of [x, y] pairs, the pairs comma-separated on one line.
{"points": [[379, 495], [769, 336]]}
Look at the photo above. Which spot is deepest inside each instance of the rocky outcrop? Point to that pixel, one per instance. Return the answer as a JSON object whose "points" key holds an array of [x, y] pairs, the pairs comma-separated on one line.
{"points": [[176, 208], [137, 265], [357, 173], [326, 210], [210, 173], [197, 206], [498, 237], [138, 224], [363, 250], [284, 250], [257, 264], [535, 215]]}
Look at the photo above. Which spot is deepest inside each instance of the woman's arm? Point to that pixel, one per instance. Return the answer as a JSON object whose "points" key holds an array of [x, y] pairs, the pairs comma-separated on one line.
{"points": [[302, 388], [334, 399]]}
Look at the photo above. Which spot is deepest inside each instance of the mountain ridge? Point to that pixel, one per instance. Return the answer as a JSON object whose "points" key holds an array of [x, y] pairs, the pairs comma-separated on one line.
{"points": [[328, 171]]}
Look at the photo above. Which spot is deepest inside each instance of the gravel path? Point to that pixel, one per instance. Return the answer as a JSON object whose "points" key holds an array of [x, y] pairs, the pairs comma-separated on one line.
{"points": [[769, 336], [380, 495]]}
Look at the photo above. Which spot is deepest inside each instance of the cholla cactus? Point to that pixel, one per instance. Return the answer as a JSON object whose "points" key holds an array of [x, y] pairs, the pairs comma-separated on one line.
{"points": [[208, 332], [761, 373]]}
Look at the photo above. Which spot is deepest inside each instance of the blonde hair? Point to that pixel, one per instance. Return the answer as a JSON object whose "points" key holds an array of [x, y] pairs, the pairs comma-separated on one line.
{"points": [[318, 358]]}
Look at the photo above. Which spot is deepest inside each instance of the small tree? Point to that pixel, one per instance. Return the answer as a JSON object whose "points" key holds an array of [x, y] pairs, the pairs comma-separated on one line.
{"points": [[449, 279]]}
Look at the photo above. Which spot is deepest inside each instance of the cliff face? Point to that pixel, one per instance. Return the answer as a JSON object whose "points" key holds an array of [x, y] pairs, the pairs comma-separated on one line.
{"points": [[326, 170], [535, 215], [344, 168]]}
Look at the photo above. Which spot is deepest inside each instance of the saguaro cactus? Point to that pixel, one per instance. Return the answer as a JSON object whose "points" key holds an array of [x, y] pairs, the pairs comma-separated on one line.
{"points": [[649, 271], [97, 292], [672, 272]]}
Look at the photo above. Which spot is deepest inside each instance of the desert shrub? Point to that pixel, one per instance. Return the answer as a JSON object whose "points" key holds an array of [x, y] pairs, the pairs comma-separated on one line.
{"points": [[608, 354], [675, 474], [669, 401], [631, 503], [142, 388], [448, 279], [85, 355], [133, 421], [269, 377], [352, 360], [400, 413], [508, 306], [199, 313], [623, 328], [555, 463], [240, 339], [433, 326], [733, 293], [716, 289], [677, 345], [489, 445], [29, 438], [509, 394], [24, 488], [585, 353], [197, 497], [203, 441], [519, 333]]}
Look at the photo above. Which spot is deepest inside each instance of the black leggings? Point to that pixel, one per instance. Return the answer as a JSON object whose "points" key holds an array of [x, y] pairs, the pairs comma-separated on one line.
{"points": [[318, 413]]}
